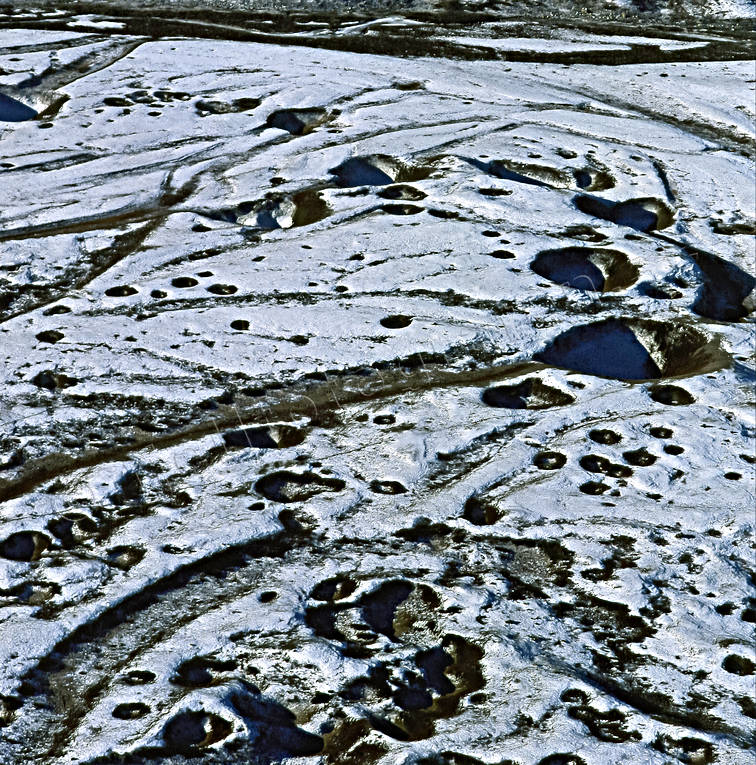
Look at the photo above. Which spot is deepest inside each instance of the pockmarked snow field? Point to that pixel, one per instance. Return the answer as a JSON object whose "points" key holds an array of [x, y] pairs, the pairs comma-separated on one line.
{"points": [[377, 390]]}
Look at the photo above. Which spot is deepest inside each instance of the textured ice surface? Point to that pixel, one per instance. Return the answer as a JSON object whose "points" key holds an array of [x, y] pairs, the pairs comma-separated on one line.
{"points": [[376, 391]]}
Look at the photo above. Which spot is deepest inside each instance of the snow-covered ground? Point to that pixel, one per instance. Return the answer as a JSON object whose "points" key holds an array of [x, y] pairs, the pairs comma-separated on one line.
{"points": [[362, 407]]}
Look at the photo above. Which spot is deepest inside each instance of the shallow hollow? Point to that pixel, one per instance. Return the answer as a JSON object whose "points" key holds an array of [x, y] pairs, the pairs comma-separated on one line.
{"points": [[376, 170], [530, 393], [586, 268], [287, 486], [725, 294], [297, 121], [635, 349], [264, 437], [643, 214], [588, 178], [281, 211]]}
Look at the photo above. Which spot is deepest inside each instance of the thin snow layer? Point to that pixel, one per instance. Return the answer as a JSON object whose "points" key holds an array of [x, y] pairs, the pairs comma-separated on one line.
{"points": [[310, 453], [653, 9], [736, 8]]}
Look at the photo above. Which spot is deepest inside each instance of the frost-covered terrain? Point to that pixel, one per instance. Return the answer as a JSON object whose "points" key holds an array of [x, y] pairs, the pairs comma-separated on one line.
{"points": [[377, 391]]}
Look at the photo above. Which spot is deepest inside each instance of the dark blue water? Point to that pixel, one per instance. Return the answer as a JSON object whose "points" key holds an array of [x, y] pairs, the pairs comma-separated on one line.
{"points": [[14, 111], [570, 268], [606, 349]]}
